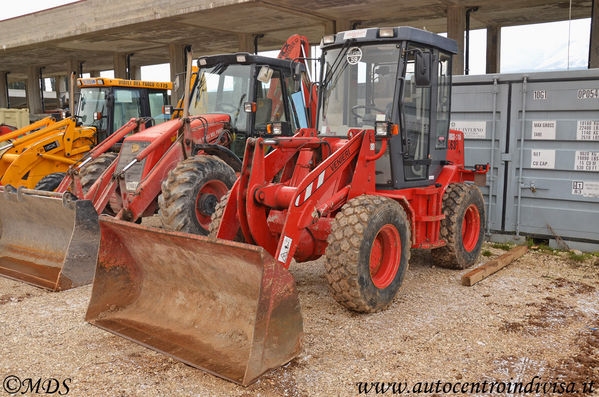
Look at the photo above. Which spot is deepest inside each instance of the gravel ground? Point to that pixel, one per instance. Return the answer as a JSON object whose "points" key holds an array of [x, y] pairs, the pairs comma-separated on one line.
{"points": [[539, 316]]}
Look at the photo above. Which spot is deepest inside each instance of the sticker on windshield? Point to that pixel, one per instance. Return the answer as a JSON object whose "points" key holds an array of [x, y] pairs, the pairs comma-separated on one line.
{"points": [[354, 55]]}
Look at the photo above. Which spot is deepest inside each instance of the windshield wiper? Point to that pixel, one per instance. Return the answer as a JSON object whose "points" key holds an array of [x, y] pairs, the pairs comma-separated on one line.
{"points": [[219, 68], [337, 62]]}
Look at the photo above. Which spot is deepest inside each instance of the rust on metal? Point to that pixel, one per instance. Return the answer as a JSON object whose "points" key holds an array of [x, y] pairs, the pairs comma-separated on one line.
{"points": [[225, 307], [46, 240]]}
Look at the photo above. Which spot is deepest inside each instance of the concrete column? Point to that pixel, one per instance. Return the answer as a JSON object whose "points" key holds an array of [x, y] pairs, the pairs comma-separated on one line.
{"points": [[342, 25], [493, 49], [59, 91], [177, 62], [329, 28], [594, 44], [246, 42], [72, 66], [120, 65], [3, 90], [456, 26], [34, 97], [135, 72]]}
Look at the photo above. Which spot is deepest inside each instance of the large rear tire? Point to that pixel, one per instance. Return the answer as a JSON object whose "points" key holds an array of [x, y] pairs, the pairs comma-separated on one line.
{"points": [[90, 173], [368, 253], [191, 192], [463, 227], [50, 182]]}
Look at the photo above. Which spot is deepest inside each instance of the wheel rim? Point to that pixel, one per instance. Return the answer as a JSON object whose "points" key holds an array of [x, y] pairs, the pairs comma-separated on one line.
{"points": [[470, 228], [384, 256], [206, 201]]}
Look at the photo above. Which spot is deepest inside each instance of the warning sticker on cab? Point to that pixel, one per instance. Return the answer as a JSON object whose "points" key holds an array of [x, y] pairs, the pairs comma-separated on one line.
{"points": [[585, 189], [541, 158], [587, 130], [586, 161]]}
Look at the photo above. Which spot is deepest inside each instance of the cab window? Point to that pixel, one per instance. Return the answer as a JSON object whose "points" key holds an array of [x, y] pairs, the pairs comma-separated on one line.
{"points": [[157, 100], [127, 105], [269, 101]]}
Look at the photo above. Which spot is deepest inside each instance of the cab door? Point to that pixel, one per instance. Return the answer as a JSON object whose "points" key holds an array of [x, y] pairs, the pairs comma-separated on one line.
{"points": [[416, 105]]}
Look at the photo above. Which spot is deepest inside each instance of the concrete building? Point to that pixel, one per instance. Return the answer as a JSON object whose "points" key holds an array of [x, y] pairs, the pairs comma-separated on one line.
{"points": [[93, 35]]}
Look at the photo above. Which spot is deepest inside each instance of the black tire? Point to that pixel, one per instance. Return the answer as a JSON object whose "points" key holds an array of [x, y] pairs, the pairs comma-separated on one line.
{"points": [[458, 198], [50, 182], [217, 218], [348, 255], [182, 201], [91, 172]]}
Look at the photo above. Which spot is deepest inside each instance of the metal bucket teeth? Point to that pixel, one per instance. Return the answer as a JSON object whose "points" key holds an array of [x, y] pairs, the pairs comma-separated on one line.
{"points": [[224, 307], [47, 240]]}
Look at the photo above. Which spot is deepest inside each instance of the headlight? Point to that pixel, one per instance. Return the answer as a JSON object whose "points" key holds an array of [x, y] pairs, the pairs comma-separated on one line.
{"points": [[386, 32], [279, 128], [330, 39], [382, 128]]}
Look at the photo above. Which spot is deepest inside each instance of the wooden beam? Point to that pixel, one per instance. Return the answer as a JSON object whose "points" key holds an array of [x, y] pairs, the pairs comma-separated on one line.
{"points": [[484, 271]]}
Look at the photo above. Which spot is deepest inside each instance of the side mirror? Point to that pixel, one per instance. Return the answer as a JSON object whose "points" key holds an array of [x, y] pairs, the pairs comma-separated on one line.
{"points": [[424, 61], [176, 84], [265, 74], [97, 116]]}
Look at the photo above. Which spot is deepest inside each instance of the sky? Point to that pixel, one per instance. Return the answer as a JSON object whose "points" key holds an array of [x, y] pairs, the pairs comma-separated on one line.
{"points": [[527, 48]]}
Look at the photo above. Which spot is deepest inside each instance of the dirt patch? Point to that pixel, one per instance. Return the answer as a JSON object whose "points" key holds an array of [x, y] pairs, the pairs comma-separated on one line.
{"points": [[575, 287], [584, 365], [552, 312], [6, 298], [512, 326]]}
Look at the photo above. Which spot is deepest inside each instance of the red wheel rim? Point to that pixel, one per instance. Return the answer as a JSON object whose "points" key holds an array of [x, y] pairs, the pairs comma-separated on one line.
{"points": [[384, 256], [470, 228], [208, 196]]}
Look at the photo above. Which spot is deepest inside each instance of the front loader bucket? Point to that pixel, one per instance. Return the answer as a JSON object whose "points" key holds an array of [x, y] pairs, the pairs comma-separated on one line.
{"points": [[47, 240], [224, 307]]}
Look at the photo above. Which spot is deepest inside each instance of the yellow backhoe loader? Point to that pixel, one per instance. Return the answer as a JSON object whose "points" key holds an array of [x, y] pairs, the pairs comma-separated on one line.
{"points": [[47, 148]]}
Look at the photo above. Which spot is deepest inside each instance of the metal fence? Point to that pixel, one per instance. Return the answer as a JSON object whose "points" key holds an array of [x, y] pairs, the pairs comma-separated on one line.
{"points": [[540, 133]]}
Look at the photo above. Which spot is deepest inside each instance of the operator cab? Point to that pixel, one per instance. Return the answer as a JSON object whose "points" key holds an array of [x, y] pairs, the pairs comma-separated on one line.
{"points": [[256, 92], [108, 104], [396, 81]]}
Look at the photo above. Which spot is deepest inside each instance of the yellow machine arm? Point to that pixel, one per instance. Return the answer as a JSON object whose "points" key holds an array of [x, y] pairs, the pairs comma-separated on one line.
{"points": [[49, 150]]}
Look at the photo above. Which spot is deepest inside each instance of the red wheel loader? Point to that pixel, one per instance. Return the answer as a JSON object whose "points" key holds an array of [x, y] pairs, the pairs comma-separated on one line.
{"points": [[381, 174], [180, 168]]}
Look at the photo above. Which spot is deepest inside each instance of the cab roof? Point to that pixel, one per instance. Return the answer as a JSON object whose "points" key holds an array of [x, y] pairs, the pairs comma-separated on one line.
{"points": [[245, 58], [104, 82], [401, 33]]}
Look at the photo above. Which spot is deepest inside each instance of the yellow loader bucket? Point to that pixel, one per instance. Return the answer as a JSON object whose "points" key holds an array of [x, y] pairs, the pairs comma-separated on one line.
{"points": [[224, 307], [46, 239]]}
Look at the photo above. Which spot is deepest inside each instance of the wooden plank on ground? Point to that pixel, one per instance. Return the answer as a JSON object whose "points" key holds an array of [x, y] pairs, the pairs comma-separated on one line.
{"points": [[485, 270]]}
